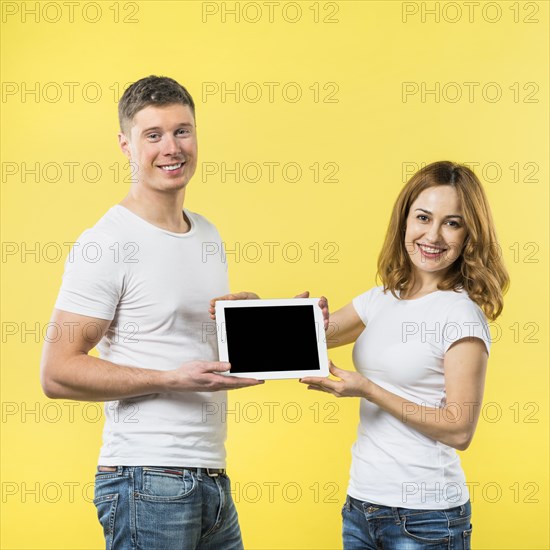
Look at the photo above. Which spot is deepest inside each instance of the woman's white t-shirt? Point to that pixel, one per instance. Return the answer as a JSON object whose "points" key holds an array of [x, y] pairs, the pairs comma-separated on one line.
{"points": [[402, 350]]}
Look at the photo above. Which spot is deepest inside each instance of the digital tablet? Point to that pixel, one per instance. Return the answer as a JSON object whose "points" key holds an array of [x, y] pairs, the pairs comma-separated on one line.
{"points": [[272, 339]]}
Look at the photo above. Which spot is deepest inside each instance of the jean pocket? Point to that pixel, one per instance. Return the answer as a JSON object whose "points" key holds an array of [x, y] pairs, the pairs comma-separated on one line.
{"points": [[160, 486], [467, 539], [106, 506], [428, 528]]}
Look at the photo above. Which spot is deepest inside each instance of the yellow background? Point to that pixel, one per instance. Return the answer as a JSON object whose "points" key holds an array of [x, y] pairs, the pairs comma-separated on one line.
{"points": [[289, 450]]}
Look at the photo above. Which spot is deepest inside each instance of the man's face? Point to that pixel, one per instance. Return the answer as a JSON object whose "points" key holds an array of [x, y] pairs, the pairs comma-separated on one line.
{"points": [[162, 147]]}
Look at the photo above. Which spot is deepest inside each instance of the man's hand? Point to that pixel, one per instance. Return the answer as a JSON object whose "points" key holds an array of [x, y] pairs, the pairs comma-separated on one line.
{"points": [[205, 376], [351, 384], [237, 296]]}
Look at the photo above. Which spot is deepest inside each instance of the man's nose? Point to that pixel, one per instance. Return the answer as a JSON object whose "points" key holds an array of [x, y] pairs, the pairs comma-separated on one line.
{"points": [[170, 145]]}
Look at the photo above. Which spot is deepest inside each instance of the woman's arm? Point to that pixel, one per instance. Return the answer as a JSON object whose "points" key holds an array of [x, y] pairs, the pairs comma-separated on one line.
{"points": [[344, 327], [465, 365]]}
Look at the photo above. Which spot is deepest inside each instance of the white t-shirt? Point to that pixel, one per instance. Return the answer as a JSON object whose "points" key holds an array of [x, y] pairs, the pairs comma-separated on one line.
{"points": [[402, 350], [156, 286]]}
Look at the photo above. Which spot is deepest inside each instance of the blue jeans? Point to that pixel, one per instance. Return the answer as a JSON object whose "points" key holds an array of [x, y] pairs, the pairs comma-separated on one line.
{"points": [[157, 508], [370, 526]]}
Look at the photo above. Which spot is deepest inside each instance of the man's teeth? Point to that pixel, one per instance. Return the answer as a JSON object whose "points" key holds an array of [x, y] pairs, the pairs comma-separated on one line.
{"points": [[172, 166]]}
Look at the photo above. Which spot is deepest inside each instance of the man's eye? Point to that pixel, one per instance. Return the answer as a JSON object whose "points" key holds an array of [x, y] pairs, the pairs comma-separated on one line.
{"points": [[183, 131], [153, 136]]}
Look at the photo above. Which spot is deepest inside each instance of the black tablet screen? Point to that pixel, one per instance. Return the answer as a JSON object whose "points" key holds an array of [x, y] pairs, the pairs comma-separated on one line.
{"points": [[271, 338]]}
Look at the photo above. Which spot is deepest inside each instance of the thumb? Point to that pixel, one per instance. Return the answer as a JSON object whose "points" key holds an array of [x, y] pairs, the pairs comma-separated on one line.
{"points": [[219, 366], [303, 295], [335, 370]]}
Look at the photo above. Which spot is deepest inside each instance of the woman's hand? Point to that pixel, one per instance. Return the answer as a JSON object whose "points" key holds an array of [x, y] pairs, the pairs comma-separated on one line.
{"points": [[237, 296], [351, 384], [323, 304]]}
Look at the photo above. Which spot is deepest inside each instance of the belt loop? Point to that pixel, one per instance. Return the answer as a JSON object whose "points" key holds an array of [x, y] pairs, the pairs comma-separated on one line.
{"points": [[397, 517], [199, 474], [347, 503]]}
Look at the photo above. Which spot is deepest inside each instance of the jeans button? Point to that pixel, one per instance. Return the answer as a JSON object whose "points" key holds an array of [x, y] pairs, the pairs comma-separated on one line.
{"points": [[371, 509]]}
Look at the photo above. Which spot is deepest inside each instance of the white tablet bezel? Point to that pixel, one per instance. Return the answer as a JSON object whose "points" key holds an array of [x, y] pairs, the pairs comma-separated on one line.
{"points": [[222, 305]]}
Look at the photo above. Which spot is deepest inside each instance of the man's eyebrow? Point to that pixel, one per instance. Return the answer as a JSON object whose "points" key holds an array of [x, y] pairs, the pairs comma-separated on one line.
{"points": [[157, 128], [449, 216]]}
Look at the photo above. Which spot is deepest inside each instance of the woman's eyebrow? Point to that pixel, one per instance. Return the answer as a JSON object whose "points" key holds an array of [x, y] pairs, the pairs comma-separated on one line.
{"points": [[449, 216]]}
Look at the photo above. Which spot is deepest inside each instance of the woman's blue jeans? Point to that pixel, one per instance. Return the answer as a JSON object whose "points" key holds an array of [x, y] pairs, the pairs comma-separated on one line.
{"points": [[368, 526]]}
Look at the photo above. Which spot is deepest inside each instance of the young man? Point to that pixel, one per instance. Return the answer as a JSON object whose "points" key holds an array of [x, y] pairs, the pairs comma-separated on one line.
{"points": [[137, 285]]}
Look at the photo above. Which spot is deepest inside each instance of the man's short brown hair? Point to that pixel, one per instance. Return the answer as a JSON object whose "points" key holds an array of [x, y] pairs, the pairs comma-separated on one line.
{"points": [[151, 90]]}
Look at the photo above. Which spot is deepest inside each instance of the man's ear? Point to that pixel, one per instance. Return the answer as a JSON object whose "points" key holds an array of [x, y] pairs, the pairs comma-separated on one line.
{"points": [[124, 144]]}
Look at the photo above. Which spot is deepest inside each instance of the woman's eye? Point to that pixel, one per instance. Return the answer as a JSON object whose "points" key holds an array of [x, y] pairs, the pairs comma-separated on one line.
{"points": [[453, 223], [422, 218]]}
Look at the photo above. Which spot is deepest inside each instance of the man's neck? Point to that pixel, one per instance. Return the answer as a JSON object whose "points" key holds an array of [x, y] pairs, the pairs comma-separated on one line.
{"points": [[162, 210]]}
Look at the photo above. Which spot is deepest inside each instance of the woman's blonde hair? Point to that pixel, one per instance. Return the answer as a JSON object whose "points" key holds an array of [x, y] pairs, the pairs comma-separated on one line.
{"points": [[479, 269]]}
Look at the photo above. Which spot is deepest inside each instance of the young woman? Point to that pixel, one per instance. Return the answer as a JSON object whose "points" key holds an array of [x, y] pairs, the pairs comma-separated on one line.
{"points": [[421, 349]]}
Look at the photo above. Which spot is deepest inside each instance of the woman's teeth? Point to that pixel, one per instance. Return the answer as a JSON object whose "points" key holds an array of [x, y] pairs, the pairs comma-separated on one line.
{"points": [[431, 250]]}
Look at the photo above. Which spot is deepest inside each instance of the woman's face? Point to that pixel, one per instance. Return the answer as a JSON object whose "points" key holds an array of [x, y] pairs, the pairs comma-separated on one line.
{"points": [[435, 232]]}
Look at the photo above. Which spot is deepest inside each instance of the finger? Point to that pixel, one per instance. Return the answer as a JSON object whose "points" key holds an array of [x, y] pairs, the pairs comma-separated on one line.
{"points": [[235, 382], [304, 294], [239, 296], [323, 304], [233, 296], [330, 385], [217, 367], [244, 382], [311, 380], [315, 387], [325, 383], [236, 379]]}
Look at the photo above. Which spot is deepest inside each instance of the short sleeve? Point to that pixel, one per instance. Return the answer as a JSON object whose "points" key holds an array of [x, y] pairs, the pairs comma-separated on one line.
{"points": [[92, 280], [363, 303], [466, 320]]}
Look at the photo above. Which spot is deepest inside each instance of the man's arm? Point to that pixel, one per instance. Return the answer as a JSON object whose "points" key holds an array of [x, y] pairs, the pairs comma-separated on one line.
{"points": [[68, 372]]}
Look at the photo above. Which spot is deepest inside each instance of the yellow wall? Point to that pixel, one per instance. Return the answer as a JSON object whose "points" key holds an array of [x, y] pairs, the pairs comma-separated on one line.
{"points": [[343, 100]]}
